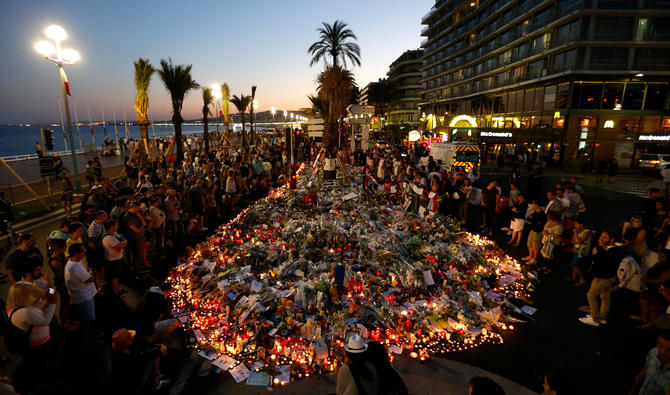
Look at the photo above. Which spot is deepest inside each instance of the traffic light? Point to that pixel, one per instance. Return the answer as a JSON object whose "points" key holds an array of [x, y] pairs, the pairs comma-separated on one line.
{"points": [[49, 139]]}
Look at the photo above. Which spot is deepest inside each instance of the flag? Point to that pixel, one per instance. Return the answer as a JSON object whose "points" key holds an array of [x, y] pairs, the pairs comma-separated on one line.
{"points": [[67, 84], [220, 113]]}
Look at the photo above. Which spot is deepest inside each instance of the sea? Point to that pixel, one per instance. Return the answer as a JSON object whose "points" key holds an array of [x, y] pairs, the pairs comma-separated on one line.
{"points": [[20, 140]]}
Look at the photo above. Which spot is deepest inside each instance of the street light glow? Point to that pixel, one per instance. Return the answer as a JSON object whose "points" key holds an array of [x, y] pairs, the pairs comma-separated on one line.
{"points": [[285, 114], [255, 104], [70, 56], [639, 75], [56, 33], [45, 48], [273, 111]]}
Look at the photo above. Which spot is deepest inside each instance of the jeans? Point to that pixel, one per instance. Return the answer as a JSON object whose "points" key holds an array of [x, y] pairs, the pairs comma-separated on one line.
{"points": [[600, 288]]}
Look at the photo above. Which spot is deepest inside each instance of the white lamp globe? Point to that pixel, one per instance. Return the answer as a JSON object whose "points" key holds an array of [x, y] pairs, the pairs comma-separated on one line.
{"points": [[45, 48], [56, 33], [70, 55]]}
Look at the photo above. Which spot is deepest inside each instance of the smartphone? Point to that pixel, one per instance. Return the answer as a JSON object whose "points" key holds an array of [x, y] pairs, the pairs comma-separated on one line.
{"points": [[52, 291]]}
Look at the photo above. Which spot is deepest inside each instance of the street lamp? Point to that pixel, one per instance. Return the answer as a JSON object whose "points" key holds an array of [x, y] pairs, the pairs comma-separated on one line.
{"points": [[273, 111], [62, 58]]}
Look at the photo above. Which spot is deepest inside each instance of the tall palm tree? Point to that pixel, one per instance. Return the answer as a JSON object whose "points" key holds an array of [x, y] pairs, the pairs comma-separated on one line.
{"points": [[207, 100], [241, 102], [143, 73], [319, 106], [333, 42], [178, 81], [225, 99], [335, 85], [251, 114]]}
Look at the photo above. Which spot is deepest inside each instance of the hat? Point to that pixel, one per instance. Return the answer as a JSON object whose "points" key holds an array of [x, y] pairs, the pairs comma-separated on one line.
{"points": [[356, 345], [122, 339]]}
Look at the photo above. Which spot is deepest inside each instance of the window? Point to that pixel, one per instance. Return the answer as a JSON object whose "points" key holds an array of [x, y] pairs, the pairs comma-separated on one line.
{"points": [[612, 95], [562, 96], [656, 97], [613, 29], [538, 98], [512, 103], [549, 98], [632, 98], [608, 58], [535, 69], [528, 101], [570, 59], [651, 59], [588, 96], [559, 59], [642, 27]]}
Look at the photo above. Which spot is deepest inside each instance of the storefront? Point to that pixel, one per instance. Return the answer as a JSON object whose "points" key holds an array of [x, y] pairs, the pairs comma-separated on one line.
{"points": [[508, 145]]}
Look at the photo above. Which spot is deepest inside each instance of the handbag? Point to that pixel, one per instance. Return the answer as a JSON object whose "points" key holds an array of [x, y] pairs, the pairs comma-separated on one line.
{"points": [[547, 250]]}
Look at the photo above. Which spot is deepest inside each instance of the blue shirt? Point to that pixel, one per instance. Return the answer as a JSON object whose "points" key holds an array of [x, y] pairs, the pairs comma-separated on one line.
{"points": [[657, 379]]}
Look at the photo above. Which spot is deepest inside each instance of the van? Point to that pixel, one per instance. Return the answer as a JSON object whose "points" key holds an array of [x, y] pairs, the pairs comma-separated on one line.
{"points": [[654, 162]]}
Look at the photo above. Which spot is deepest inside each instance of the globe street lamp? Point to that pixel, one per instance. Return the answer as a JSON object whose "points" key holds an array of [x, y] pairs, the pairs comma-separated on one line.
{"points": [[273, 111], [62, 57]]}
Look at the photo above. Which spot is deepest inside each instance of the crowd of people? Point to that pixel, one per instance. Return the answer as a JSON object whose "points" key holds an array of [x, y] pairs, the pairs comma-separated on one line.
{"points": [[128, 233], [130, 229]]}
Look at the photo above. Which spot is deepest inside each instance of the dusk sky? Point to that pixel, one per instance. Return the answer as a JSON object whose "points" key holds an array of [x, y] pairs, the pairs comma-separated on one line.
{"points": [[261, 43]]}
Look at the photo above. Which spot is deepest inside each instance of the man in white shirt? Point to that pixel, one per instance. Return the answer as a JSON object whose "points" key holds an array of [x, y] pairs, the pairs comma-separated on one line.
{"points": [[113, 246], [81, 286], [157, 223]]}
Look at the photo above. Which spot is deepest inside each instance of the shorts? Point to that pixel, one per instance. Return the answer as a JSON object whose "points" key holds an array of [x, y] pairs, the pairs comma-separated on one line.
{"points": [[517, 224], [534, 240], [86, 310], [577, 261], [113, 269]]}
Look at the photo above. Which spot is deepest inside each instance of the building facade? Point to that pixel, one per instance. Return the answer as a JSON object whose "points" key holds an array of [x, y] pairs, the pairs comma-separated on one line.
{"points": [[566, 80], [405, 75]]}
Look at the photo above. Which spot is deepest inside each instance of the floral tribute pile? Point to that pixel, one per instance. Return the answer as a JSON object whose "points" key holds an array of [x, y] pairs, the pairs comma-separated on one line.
{"points": [[280, 288]]}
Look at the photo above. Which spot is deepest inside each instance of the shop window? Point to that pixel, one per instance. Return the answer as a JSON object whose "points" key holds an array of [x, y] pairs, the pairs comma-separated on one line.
{"points": [[656, 97], [612, 96], [549, 98], [632, 99], [630, 125], [528, 101], [562, 96], [665, 126]]}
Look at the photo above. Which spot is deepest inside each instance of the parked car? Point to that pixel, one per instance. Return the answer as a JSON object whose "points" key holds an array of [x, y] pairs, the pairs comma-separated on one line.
{"points": [[654, 162]]}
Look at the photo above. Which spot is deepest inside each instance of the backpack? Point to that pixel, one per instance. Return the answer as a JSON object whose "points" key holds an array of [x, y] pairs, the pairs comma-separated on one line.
{"points": [[16, 340]]}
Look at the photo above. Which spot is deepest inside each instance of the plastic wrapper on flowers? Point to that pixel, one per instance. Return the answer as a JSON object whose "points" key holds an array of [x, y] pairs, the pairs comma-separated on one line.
{"points": [[282, 286]]}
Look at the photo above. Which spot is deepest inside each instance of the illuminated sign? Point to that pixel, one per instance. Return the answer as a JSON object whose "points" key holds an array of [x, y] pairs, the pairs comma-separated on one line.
{"points": [[609, 124], [652, 137], [414, 135], [495, 134], [467, 118], [557, 114]]}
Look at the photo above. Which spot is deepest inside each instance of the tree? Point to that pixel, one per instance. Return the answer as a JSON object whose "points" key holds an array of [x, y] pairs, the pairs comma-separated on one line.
{"points": [[319, 106], [225, 99], [178, 81], [207, 99], [333, 42], [143, 73], [335, 84], [382, 94], [241, 102], [251, 114]]}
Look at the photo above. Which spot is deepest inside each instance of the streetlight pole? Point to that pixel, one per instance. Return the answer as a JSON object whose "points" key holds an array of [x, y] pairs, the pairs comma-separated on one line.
{"points": [[63, 57]]}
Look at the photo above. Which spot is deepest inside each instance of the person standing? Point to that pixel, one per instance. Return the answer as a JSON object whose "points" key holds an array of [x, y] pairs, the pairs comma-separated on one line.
{"points": [[31, 310], [536, 221], [535, 179], [518, 222], [157, 220], [113, 246], [605, 264], [81, 287], [135, 225], [6, 219], [17, 261], [581, 247], [490, 201], [654, 379]]}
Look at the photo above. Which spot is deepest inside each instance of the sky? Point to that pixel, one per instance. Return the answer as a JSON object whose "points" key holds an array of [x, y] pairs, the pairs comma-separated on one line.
{"points": [[242, 43]]}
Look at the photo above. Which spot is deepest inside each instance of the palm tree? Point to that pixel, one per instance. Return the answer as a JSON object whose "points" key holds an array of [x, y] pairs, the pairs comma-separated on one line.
{"points": [[335, 85], [178, 81], [207, 99], [241, 102], [251, 114], [319, 106], [333, 42], [143, 73], [225, 99]]}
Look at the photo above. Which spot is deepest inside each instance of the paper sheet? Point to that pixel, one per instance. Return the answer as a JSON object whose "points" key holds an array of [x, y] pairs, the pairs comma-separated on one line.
{"points": [[239, 372], [208, 354], [261, 379], [224, 362]]}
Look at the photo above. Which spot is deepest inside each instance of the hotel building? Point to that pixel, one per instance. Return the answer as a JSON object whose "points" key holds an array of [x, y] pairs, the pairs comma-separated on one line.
{"points": [[565, 80]]}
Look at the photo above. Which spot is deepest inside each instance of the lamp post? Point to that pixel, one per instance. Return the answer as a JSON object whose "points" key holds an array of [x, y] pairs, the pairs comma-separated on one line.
{"points": [[216, 92], [273, 111], [62, 58]]}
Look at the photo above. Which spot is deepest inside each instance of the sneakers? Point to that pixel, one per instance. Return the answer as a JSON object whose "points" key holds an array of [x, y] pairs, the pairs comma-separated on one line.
{"points": [[589, 321], [601, 321], [526, 258]]}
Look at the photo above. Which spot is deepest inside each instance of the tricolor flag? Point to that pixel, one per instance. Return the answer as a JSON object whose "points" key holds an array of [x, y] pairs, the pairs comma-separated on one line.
{"points": [[67, 84]]}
